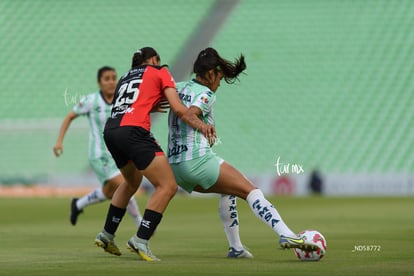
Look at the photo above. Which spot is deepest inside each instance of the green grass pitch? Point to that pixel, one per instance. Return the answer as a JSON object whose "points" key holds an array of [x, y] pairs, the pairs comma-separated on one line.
{"points": [[37, 239]]}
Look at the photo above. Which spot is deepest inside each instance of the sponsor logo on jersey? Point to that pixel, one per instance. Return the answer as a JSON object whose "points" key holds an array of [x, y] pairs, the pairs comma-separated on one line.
{"points": [[184, 97], [177, 149], [204, 100]]}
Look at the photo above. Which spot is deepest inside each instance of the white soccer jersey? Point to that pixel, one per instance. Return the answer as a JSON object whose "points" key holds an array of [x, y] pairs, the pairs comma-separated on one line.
{"points": [[97, 111], [184, 142]]}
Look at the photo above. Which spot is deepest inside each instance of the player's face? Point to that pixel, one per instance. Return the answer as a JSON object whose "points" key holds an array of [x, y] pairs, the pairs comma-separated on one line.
{"points": [[216, 77], [107, 83]]}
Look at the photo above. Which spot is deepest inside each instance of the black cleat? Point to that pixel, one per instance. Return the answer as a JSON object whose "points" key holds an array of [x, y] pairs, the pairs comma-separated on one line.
{"points": [[74, 212]]}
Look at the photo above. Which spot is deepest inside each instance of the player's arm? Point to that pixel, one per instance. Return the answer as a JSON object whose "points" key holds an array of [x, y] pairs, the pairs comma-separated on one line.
{"points": [[195, 112], [189, 115], [161, 107], [58, 148]]}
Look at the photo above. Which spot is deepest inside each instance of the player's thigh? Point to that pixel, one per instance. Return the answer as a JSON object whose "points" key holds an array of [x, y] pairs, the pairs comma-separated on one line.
{"points": [[131, 175], [200, 173], [160, 174], [233, 182]]}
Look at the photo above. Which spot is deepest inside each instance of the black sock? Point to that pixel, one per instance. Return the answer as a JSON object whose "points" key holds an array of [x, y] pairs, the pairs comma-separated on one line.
{"points": [[148, 225], [113, 219]]}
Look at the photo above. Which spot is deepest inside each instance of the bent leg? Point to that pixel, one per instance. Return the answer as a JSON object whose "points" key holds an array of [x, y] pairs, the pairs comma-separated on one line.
{"points": [[132, 208], [121, 198], [127, 188], [111, 185], [159, 173]]}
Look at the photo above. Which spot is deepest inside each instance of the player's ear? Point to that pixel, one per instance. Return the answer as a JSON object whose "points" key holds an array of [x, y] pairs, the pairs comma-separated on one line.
{"points": [[155, 60], [210, 75]]}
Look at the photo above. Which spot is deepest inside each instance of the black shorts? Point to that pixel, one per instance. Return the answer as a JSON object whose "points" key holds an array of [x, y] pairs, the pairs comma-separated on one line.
{"points": [[130, 143]]}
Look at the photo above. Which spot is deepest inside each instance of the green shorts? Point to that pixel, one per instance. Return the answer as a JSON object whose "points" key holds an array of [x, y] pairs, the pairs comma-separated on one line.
{"points": [[203, 171], [104, 168]]}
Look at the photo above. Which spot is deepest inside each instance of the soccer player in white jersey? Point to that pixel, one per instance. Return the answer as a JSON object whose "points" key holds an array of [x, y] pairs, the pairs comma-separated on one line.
{"points": [[97, 107], [197, 168]]}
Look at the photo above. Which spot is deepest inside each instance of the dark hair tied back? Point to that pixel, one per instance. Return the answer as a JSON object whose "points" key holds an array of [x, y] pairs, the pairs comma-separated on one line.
{"points": [[210, 59], [141, 55]]}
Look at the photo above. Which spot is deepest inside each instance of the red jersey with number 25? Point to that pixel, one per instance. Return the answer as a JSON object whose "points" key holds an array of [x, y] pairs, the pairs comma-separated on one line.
{"points": [[137, 92]]}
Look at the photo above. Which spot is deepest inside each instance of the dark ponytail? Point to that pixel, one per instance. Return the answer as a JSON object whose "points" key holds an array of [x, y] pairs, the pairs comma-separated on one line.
{"points": [[142, 55], [210, 59]]}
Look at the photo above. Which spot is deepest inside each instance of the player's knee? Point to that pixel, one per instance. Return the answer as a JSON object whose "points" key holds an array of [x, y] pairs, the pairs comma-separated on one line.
{"points": [[108, 193], [170, 190], [109, 188], [173, 189]]}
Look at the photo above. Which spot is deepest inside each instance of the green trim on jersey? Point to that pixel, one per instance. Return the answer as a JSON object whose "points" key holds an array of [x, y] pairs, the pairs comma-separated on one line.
{"points": [[184, 142]]}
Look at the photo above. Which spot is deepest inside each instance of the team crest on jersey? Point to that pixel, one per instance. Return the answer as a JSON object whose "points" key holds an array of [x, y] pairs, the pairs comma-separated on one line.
{"points": [[204, 99]]}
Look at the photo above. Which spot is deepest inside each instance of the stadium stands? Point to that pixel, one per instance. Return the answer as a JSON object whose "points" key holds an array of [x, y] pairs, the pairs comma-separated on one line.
{"points": [[329, 83]]}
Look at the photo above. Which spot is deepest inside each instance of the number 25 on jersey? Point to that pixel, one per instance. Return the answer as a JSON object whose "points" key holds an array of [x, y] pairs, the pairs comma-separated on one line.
{"points": [[128, 93]]}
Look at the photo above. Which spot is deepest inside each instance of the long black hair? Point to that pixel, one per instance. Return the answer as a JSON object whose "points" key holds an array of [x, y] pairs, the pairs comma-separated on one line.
{"points": [[209, 59], [142, 55]]}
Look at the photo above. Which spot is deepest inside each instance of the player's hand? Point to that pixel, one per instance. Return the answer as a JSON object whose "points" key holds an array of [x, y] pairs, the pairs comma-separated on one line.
{"points": [[209, 131], [58, 150], [162, 106]]}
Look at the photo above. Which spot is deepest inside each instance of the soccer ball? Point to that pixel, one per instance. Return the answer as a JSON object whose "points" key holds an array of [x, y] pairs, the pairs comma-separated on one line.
{"points": [[316, 238]]}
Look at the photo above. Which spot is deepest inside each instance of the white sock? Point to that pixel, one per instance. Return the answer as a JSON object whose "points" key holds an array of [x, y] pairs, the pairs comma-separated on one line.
{"points": [[133, 211], [265, 211], [93, 197], [230, 219]]}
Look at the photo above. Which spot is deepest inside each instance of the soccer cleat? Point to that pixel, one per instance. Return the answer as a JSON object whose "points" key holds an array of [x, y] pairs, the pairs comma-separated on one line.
{"points": [[108, 244], [74, 212], [140, 247], [238, 254], [296, 242]]}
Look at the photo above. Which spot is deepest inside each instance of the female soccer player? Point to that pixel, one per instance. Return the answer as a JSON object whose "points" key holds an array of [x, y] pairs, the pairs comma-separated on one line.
{"points": [[136, 152], [97, 107], [196, 167]]}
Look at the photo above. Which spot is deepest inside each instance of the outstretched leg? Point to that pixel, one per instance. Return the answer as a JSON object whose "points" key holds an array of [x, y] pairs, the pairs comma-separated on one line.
{"points": [[165, 189], [231, 181]]}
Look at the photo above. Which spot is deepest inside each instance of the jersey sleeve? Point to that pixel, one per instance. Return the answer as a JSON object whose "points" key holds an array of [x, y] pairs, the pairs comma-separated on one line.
{"points": [[167, 79], [205, 102], [84, 106]]}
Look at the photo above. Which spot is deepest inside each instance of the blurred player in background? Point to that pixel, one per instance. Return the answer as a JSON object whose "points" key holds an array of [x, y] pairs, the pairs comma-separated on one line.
{"points": [[97, 107], [136, 152], [197, 168]]}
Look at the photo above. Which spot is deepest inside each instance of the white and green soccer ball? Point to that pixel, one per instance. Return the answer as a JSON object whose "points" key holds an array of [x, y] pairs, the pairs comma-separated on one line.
{"points": [[315, 238]]}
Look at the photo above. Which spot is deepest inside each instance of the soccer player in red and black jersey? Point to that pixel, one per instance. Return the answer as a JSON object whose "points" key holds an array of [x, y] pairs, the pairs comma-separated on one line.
{"points": [[135, 151]]}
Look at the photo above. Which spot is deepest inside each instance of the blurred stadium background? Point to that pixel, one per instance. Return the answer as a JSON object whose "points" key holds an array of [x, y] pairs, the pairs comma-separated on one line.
{"points": [[329, 85]]}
